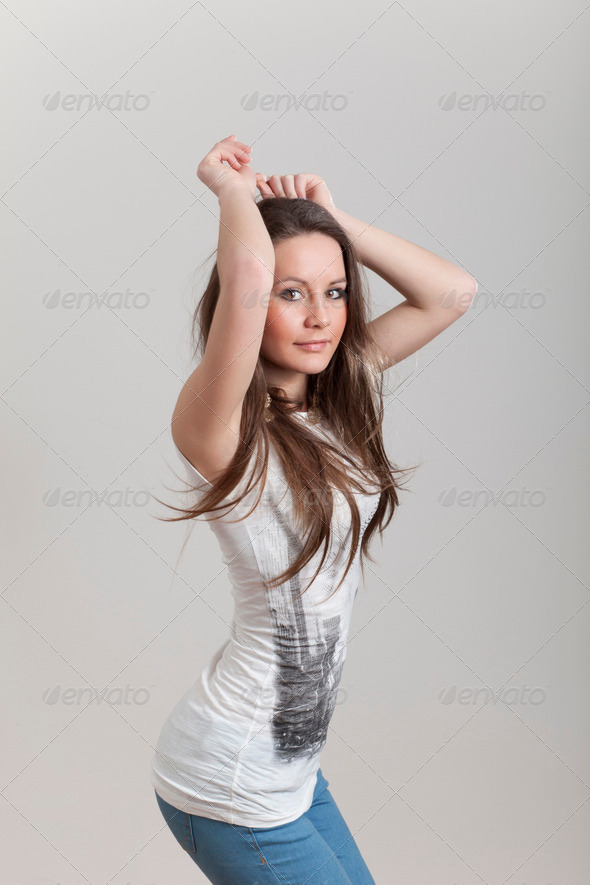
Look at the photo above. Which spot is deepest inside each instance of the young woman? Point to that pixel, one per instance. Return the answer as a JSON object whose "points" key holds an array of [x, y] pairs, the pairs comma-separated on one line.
{"points": [[279, 429]]}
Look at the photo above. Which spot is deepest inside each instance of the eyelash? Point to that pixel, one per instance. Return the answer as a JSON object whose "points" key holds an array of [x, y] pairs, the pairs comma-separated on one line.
{"points": [[340, 296]]}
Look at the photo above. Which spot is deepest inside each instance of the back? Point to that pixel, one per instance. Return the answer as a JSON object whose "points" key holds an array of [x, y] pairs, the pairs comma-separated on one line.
{"points": [[243, 744]]}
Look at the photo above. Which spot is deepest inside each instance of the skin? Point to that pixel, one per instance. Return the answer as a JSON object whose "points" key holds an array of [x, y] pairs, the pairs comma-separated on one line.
{"points": [[310, 311]]}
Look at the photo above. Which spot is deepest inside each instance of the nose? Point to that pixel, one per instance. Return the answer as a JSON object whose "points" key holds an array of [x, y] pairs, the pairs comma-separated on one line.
{"points": [[318, 312]]}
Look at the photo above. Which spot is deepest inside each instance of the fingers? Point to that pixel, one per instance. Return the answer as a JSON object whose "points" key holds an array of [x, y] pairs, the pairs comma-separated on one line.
{"points": [[263, 185], [230, 157], [300, 184], [288, 186], [233, 152], [276, 185], [282, 186]]}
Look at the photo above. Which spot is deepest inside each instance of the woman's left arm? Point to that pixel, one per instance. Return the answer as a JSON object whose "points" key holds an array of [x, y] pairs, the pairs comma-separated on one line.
{"points": [[436, 292]]}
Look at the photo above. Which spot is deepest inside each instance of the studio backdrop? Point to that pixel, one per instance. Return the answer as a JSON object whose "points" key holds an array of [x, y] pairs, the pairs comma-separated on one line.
{"points": [[458, 750]]}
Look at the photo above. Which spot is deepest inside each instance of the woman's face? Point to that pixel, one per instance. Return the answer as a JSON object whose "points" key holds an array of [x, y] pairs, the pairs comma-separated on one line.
{"points": [[307, 303]]}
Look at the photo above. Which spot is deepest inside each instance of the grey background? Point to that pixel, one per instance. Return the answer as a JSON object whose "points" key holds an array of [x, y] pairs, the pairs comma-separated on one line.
{"points": [[458, 751]]}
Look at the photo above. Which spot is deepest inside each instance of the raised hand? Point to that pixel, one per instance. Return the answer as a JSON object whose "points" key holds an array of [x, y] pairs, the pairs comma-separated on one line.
{"points": [[304, 184], [212, 171]]}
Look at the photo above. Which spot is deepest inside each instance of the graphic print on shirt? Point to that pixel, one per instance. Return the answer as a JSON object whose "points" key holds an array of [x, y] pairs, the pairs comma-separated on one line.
{"points": [[310, 659]]}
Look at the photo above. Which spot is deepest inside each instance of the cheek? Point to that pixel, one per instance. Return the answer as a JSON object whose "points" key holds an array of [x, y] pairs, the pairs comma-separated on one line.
{"points": [[279, 325], [339, 319]]}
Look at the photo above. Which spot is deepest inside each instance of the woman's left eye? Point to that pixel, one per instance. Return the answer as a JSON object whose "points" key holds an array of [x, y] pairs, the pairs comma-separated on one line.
{"points": [[341, 293]]}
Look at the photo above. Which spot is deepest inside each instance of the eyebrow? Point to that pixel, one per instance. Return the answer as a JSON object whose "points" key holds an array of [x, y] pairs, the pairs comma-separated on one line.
{"points": [[297, 280]]}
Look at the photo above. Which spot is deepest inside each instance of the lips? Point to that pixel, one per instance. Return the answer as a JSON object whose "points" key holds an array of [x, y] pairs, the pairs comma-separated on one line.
{"points": [[312, 345]]}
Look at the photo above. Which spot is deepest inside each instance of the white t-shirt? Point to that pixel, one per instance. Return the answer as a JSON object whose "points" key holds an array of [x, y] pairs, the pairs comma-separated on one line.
{"points": [[243, 744]]}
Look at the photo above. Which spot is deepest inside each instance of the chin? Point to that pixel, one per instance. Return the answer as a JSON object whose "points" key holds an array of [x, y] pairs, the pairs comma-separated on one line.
{"points": [[312, 366]]}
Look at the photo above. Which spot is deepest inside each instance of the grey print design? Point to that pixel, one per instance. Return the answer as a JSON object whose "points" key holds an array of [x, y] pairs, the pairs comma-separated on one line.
{"points": [[309, 665]]}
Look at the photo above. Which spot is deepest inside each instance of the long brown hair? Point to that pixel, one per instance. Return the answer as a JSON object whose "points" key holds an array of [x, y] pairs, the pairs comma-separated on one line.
{"points": [[349, 396]]}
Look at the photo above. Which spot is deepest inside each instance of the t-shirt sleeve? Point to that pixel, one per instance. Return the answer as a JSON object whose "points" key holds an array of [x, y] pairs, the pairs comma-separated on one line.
{"points": [[202, 485], [196, 479]]}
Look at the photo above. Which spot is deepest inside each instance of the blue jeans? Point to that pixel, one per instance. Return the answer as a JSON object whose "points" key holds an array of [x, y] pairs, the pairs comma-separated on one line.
{"points": [[316, 848]]}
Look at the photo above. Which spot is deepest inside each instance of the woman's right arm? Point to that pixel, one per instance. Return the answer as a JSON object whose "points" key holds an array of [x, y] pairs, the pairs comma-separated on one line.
{"points": [[206, 420]]}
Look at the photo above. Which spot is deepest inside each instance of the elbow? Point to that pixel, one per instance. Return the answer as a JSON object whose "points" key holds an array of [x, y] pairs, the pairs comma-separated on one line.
{"points": [[466, 293]]}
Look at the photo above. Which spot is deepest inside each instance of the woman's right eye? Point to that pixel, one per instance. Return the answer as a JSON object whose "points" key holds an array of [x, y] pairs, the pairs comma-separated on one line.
{"points": [[285, 291]]}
